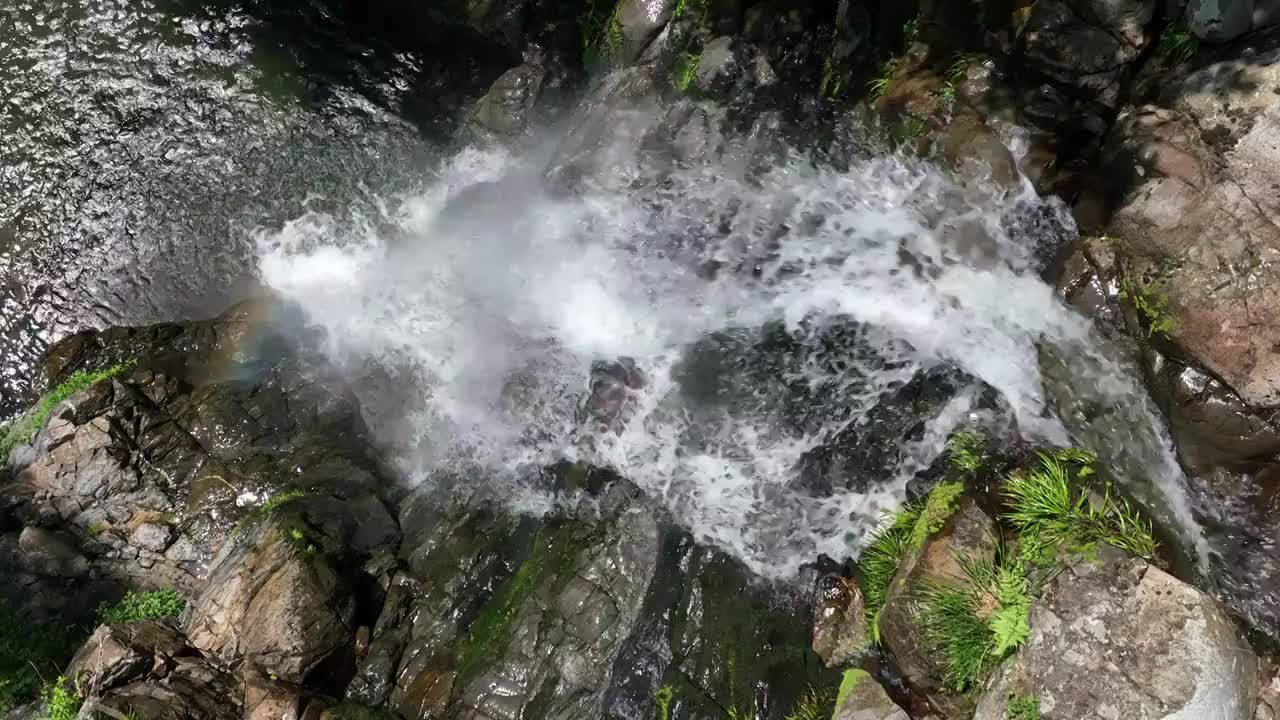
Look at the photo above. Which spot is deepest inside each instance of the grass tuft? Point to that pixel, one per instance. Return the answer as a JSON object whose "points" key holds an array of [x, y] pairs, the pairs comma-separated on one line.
{"points": [[880, 560], [24, 429], [1049, 511], [1022, 707], [59, 702], [1178, 42], [978, 620], [813, 705], [135, 607], [884, 81]]}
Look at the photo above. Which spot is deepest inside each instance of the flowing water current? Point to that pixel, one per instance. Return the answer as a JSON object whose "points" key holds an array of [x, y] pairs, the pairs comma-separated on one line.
{"points": [[750, 319]]}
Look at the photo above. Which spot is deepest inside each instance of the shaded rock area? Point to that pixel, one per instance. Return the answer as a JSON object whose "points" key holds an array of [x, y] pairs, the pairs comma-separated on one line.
{"points": [[341, 591]]}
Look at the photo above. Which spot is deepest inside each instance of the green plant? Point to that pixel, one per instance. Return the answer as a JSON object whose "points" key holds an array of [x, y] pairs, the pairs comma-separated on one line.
{"points": [[298, 538], [666, 694], [1178, 42], [24, 429], [279, 500], [978, 620], [813, 705], [965, 451], [938, 508], [880, 560], [959, 68], [59, 702], [1151, 301], [137, 606], [911, 30], [684, 71], [29, 651], [96, 529], [1048, 511], [882, 82], [615, 37], [1022, 707], [909, 127]]}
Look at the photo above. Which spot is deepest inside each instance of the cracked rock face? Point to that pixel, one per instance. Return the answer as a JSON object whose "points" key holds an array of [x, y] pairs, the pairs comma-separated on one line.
{"points": [[1119, 638]]}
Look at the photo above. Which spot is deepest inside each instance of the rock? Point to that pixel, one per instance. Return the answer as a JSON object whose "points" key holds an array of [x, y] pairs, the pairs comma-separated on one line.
{"points": [[149, 669], [840, 625], [1200, 220], [153, 537], [862, 698], [968, 531], [1087, 45], [635, 23], [508, 106], [1220, 20], [267, 699], [273, 600], [51, 554], [1121, 638]]}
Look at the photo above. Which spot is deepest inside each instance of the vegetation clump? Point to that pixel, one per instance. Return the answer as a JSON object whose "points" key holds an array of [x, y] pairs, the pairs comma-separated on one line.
{"points": [[848, 682], [24, 429], [880, 560], [978, 620], [666, 694], [965, 452], [813, 705], [138, 606], [1179, 43], [59, 702], [1151, 301], [938, 508], [1049, 511], [684, 71], [1022, 707]]}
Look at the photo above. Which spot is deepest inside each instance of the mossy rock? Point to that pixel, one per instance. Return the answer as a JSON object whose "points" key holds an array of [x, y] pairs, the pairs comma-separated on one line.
{"points": [[965, 530]]}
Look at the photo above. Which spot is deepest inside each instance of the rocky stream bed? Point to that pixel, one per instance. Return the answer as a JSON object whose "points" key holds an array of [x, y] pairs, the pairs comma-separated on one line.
{"points": [[226, 518]]}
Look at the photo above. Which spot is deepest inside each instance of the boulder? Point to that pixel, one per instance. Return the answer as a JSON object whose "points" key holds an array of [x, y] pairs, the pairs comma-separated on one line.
{"points": [[507, 109], [862, 698], [968, 531], [1219, 21], [1198, 217], [273, 600], [147, 668], [1118, 637], [1087, 45], [840, 625]]}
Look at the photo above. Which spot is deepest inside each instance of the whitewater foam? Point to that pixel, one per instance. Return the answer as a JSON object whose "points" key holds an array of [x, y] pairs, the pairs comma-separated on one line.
{"points": [[497, 297]]}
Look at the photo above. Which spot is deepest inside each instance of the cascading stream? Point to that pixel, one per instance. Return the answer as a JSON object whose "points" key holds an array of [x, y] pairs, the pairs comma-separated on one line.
{"points": [[765, 315]]}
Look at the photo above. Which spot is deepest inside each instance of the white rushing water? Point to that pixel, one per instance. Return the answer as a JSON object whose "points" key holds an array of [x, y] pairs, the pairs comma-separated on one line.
{"points": [[491, 298]]}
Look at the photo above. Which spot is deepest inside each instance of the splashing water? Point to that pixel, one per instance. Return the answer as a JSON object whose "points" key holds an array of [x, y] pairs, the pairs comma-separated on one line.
{"points": [[759, 318]]}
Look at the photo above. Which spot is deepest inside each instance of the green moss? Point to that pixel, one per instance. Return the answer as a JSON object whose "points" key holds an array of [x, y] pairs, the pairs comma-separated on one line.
{"points": [[135, 607], [59, 702], [279, 500], [1049, 510], [880, 560], [24, 429], [1022, 707], [666, 694], [849, 682], [95, 530], [298, 538], [30, 650], [488, 634], [1150, 300], [938, 508]]}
